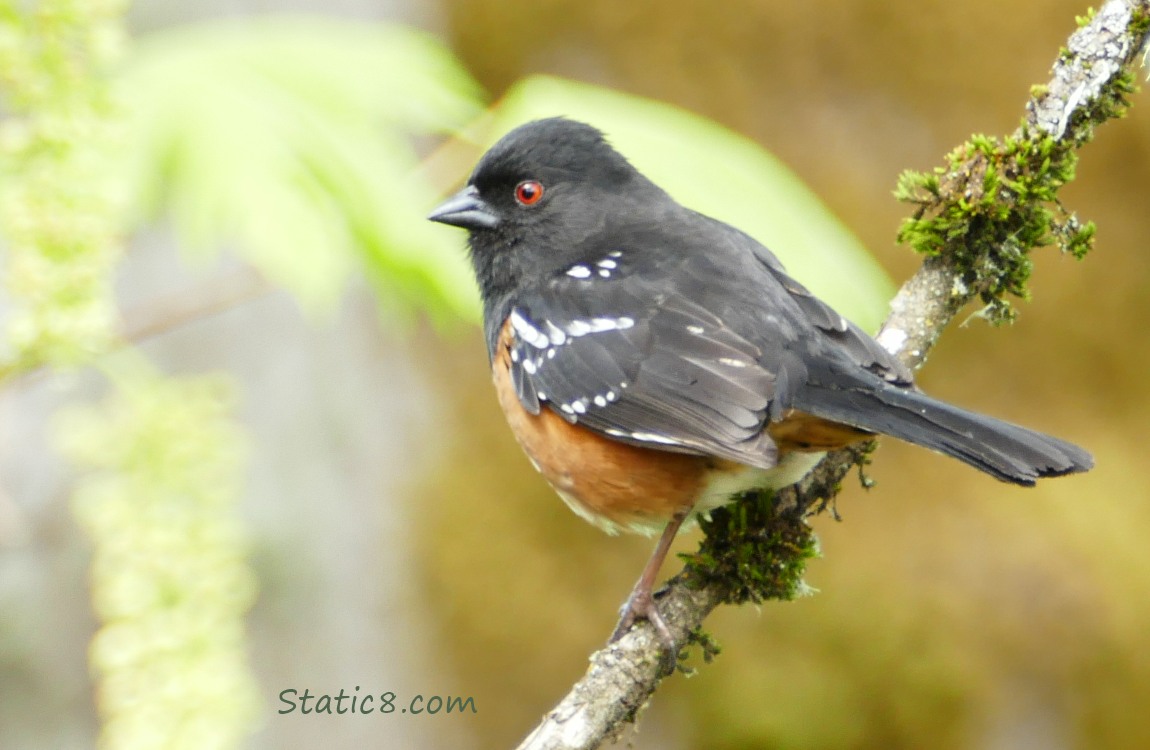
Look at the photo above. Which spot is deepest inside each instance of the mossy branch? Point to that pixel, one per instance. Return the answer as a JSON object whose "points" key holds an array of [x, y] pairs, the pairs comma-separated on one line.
{"points": [[976, 219], [994, 200]]}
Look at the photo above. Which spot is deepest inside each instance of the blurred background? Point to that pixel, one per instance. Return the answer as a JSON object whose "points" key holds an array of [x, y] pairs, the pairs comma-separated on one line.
{"points": [[400, 542]]}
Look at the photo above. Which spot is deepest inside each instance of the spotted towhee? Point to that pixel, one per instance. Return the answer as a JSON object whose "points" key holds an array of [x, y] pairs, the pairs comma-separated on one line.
{"points": [[654, 362]]}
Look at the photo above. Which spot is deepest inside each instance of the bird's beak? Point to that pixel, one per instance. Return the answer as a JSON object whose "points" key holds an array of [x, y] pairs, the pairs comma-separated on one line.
{"points": [[465, 209]]}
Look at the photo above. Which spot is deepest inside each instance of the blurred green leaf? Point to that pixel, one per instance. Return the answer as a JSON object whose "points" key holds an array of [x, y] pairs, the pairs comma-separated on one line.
{"points": [[290, 139], [723, 175]]}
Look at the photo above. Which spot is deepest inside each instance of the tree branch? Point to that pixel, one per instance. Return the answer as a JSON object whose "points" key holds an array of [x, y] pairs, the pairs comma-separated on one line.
{"points": [[968, 257], [144, 321], [203, 299]]}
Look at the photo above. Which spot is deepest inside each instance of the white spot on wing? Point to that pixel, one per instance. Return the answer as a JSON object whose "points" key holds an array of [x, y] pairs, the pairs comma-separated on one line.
{"points": [[579, 272], [529, 366], [651, 437], [732, 362], [520, 324], [697, 330], [598, 325], [577, 328], [607, 263], [528, 332], [600, 401], [556, 336], [579, 406]]}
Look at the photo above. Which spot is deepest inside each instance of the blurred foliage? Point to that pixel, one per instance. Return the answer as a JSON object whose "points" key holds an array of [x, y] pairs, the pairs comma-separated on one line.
{"points": [[170, 657], [170, 582], [266, 134], [274, 138], [58, 206], [290, 139], [722, 174]]}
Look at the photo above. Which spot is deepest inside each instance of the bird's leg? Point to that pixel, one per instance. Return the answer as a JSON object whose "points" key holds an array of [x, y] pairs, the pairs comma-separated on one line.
{"points": [[641, 602]]}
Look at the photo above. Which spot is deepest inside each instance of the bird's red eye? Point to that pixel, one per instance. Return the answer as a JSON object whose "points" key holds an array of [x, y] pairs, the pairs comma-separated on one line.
{"points": [[528, 192]]}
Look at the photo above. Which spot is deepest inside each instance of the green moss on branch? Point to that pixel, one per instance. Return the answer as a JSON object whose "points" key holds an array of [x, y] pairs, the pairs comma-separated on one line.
{"points": [[996, 199], [993, 202], [753, 551]]}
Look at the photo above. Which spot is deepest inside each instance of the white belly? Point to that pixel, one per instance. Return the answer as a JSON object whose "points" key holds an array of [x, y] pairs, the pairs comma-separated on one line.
{"points": [[724, 487]]}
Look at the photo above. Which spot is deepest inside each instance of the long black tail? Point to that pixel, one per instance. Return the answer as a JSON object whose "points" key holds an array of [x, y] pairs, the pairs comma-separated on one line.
{"points": [[1003, 450]]}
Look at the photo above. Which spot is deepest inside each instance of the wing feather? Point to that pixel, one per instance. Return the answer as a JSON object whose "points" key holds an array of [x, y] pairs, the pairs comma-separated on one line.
{"points": [[674, 377]]}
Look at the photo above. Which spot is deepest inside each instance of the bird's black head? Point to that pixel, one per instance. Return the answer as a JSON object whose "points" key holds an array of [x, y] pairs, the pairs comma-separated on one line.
{"points": [[522, 179], [537, 198]]}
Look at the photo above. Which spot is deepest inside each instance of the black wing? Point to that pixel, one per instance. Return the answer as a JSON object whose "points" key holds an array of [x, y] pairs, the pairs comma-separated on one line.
{"points": [[632, 357], [694, 352], [845, 337]]}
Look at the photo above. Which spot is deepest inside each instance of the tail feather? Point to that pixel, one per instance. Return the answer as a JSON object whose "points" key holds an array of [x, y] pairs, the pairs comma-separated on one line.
{"points": [[1003, 450]]}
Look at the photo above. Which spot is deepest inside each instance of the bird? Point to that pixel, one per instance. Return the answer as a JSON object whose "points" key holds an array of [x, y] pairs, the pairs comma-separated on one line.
{"points": [[655, 363]]}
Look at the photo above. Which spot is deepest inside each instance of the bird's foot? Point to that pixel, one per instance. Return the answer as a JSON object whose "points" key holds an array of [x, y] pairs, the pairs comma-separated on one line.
{"points": [[641, 606]]}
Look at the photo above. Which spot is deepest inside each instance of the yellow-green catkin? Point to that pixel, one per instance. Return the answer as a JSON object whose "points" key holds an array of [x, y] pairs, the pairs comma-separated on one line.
{"points": [[59, 208], [160, 461], [170, 581]]}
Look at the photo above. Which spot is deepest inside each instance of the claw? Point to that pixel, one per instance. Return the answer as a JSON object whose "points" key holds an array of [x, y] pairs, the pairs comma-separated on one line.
{"points": [[641, 606]]}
